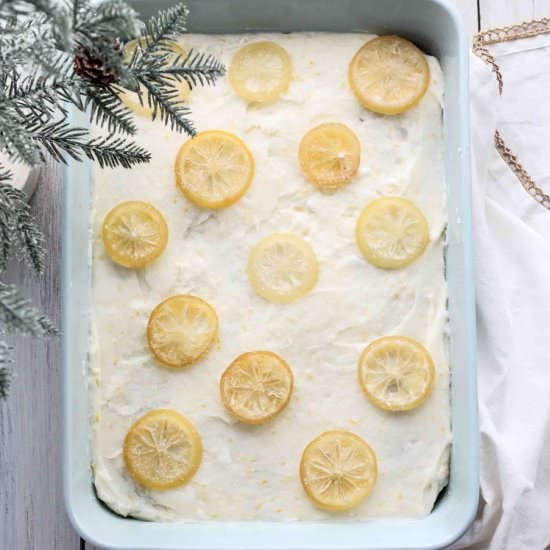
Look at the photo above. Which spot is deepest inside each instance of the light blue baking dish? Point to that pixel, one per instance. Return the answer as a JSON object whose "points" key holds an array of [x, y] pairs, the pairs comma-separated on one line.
{"points": [[435, 27]]}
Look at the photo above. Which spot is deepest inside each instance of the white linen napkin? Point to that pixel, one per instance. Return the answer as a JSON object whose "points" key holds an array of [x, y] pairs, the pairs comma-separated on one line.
{"points": [[512, 267]]}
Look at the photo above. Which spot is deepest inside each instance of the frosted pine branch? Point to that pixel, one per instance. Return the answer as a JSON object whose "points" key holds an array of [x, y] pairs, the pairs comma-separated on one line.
{"points": [[6, 368], [17, 314], [18, 228]]}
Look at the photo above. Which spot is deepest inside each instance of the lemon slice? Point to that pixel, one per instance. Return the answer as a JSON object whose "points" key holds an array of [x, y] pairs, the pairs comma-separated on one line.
{"points": [[131, 99], [329, 155], [260, 72], [282, 268], [338, 470], [396, 373], [214, 169], [134, 234], [392, 232], [256, 386], [389, 75], [181, 330], [162, 450]]}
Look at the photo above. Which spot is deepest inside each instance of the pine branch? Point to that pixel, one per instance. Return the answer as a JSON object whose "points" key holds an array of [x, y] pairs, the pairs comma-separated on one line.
{"points": [[6, 242], [38, 58], [151, 67], [169, 108], [110, 151], [29, 138], [30, 237], [164, 28], [53, 11], [108, 18], [37, 96], [99, 28], [106, 109], [18, 314], [6, 372], [196, 68], [6, 223], [18, 228], [24, 42], [17, 141]]}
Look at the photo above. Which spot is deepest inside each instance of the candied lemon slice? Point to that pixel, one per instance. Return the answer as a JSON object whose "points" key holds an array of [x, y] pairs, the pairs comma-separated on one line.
{"points": [[389, 75], [392, 232], [256, 386], [338, 470], [329, 155], [260, 72], [282, 267], [396, 373], [134, 234], [162, 450], [181, 330], [131, 99], [214, 169]]}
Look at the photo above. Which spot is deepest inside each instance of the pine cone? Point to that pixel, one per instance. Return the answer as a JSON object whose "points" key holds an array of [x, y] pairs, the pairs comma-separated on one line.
{"points": [[93, 69]]}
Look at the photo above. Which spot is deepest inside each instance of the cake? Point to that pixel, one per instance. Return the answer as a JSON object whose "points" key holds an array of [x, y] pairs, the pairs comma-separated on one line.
{"points": [[314, 384]]}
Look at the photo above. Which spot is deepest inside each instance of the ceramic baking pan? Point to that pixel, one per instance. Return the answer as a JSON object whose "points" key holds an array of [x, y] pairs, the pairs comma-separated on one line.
{"points": [[437, 29]]}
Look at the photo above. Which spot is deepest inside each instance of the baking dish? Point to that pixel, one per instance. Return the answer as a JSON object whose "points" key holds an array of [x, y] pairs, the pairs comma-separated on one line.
{"points": [[437, 29]]}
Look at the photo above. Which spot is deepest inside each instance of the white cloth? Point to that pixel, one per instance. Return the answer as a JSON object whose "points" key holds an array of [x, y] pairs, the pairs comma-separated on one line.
{"points": [[512, 266]]}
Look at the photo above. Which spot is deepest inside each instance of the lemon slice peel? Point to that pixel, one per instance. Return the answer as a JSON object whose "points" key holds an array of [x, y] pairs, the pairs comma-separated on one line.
{"points": [[396, 373], [329, 155], [256, 386], [181, 330], [214, 169], [392, 232], [162, 450], [389, 75], [282, 267], [260, 72], [338, 470], [134, 234]]}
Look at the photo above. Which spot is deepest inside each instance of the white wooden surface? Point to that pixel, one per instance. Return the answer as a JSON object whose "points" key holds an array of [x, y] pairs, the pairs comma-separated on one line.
{"points": [[32, 515]]}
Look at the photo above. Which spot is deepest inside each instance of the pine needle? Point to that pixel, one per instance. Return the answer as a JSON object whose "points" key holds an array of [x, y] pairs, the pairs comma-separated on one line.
{"points": [[18, 228], [106, 110], [6, 368], [18, 314]]}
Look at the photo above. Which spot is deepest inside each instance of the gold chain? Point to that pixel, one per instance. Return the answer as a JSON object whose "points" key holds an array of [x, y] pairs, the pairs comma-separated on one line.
{"points": [[481, 50], [515, 32], [525, 179], [479, 47]]}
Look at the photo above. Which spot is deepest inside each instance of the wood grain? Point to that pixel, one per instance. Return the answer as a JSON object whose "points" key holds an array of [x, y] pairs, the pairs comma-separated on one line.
{"points": [[502, 13], [32, 513]]}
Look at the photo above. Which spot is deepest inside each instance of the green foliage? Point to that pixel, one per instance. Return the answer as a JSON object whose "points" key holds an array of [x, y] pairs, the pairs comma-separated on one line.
{"points": [[58, 51], [18, 228]]}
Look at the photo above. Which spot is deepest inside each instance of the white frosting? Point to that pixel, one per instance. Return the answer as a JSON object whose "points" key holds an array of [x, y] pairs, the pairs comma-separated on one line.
{"points": [[251, 472]]}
